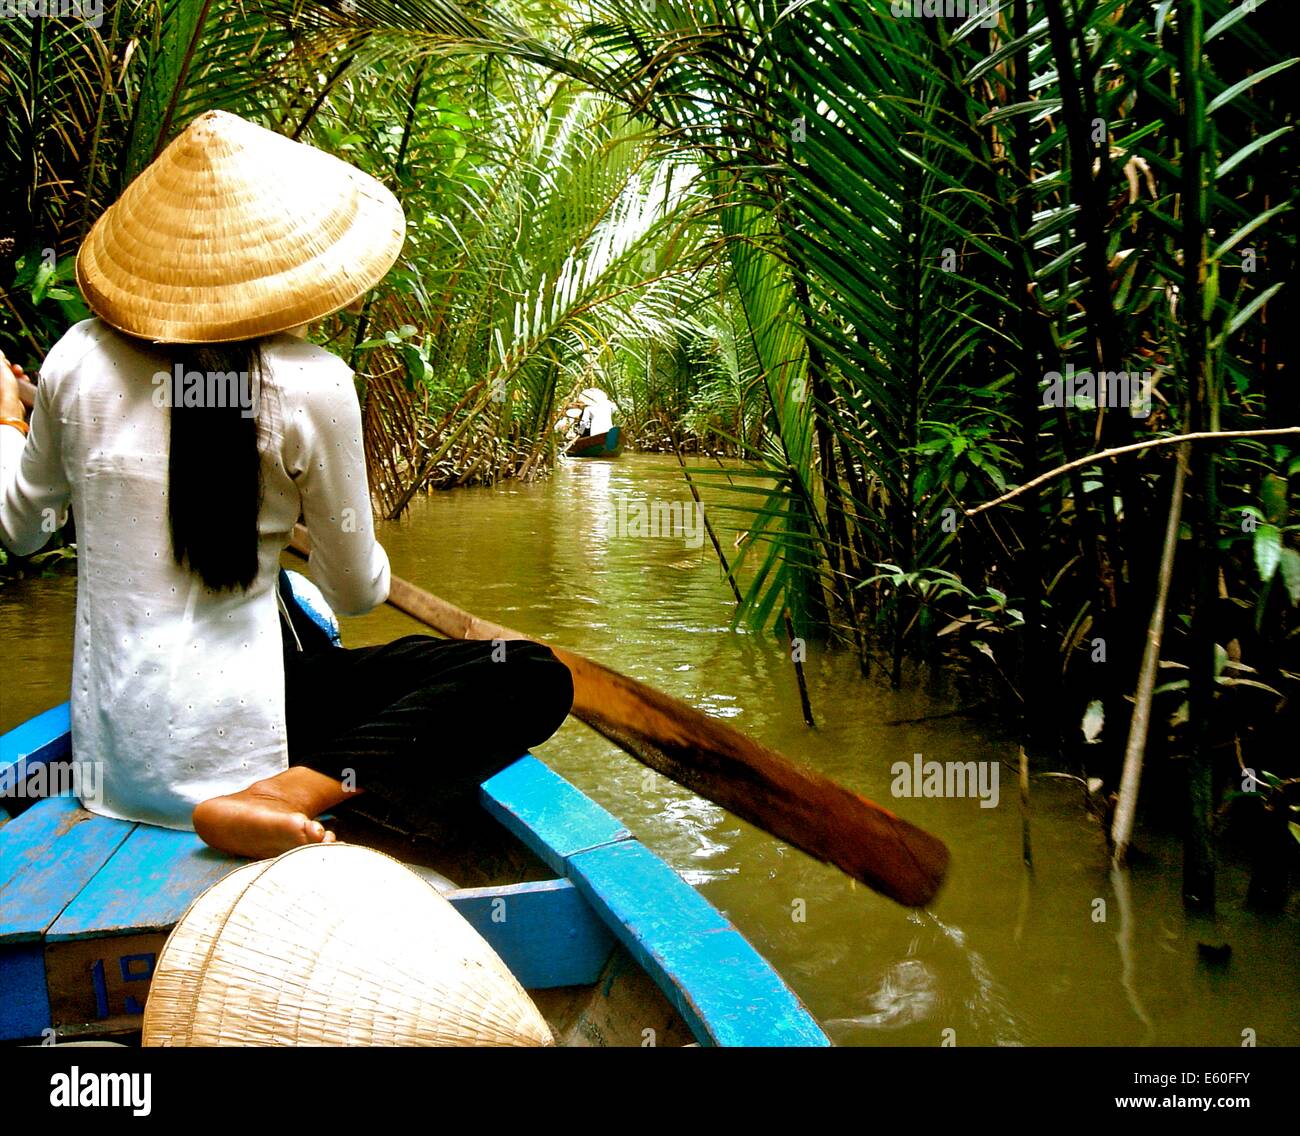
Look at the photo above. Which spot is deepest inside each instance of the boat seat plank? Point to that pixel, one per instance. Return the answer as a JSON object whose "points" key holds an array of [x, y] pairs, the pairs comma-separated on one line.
{"points": [[724, 989], [146, 886], [552, 818], [47, 856], [544, 931]]}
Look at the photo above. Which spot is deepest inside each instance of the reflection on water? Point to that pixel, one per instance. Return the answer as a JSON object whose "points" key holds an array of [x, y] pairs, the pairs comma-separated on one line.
{"points": [[1003, 958]]}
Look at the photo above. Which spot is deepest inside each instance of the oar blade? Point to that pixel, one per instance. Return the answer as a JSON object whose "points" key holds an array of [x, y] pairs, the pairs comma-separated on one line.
{"points": [[788, 801]]}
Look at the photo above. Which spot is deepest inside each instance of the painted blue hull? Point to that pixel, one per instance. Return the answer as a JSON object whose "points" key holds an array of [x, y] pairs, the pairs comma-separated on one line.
{"points": [[616, 948]]}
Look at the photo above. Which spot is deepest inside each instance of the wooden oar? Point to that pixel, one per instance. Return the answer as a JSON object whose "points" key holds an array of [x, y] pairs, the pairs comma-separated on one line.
{"points": [[792, 803]]}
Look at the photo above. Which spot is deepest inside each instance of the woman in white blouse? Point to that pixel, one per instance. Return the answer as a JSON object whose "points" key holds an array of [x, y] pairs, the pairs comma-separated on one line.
{"points": [[189, 426]]}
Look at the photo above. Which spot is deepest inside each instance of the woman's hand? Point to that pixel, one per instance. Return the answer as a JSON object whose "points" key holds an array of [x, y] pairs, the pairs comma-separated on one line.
{"points": [[17, 392]]}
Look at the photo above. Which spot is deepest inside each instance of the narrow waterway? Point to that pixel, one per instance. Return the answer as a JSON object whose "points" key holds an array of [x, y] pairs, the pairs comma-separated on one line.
{"points": [[1062, 956]]}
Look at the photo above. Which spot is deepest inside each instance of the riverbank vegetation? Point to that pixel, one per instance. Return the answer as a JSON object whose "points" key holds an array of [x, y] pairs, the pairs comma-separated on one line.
{"points": [[896, 265]]}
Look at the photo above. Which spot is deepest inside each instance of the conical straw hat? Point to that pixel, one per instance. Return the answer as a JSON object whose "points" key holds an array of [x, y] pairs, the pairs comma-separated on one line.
{"points": [[332, 944], [234, 232]]}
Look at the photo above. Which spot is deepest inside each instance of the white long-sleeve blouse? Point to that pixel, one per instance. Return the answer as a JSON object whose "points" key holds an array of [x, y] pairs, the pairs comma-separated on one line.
{"points": [[178, 690]]}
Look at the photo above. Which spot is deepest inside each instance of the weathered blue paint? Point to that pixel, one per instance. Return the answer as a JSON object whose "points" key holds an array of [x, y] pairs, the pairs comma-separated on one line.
{"points": [[554, 819], [152, 879], [725, 991], [137, 968], [723, 988], [545, 932], [45, 738], [47, 856], [24, 997], [101, 990], [116, 975]]}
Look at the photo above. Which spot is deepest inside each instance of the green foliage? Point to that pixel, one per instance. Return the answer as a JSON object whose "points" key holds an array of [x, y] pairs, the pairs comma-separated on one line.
{"points": [[847, 247]]}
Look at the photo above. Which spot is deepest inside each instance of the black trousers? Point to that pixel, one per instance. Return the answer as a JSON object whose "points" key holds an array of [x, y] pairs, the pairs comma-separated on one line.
{"points": [[418, 724]]}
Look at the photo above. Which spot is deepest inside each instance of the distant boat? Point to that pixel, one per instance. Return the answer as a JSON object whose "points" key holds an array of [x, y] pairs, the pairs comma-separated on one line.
{"points": [[606, 445]]}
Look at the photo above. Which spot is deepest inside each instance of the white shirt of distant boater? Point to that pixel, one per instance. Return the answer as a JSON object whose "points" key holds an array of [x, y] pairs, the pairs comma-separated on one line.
{"points": [[598, 417], [179, 690]]}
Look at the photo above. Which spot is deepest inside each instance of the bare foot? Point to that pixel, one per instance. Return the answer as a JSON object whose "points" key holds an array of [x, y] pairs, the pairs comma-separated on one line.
{"points": [[257, 824]]}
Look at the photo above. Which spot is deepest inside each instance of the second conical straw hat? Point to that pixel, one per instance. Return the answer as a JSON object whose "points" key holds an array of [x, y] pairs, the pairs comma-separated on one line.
{"points": [[333, 944], [235, 231]]}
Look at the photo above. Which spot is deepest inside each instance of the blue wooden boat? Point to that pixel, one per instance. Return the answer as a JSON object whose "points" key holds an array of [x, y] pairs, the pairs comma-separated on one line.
{"points": [[606, 445], [612, 944]]}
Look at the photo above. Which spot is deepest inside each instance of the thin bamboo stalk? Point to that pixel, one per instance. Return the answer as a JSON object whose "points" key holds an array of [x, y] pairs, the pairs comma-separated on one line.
{"points": [[1121, 832], [1120, 451], [1202, 395], [708, 527], [804, 702]]}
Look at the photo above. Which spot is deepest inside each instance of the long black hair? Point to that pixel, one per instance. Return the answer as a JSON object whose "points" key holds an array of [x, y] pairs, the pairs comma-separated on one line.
{"points": [[214, 469]]}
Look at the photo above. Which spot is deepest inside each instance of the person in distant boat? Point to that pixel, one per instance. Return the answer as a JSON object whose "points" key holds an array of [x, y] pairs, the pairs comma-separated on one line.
{"points": [[188, 427], [597, 413]]}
